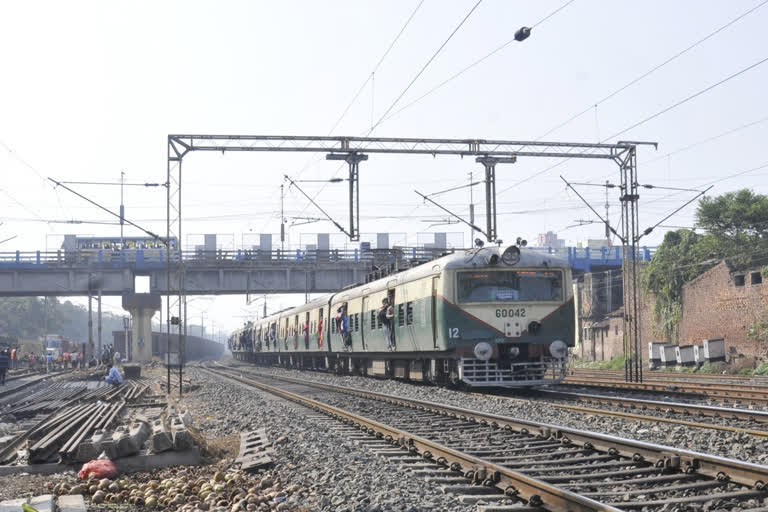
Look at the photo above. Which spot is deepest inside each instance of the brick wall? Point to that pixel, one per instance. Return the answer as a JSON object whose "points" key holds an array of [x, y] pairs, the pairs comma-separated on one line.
{"points": [[715, 307]]}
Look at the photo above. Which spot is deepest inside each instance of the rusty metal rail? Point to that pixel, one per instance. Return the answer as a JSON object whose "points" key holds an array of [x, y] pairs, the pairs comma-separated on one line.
{"points": [[628, 458], [724, 392], [761, 380], [77, 412]]}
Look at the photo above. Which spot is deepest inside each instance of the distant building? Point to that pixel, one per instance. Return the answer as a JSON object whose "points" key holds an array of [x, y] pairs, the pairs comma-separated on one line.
{"points": [[549, 239], [598, 243]]}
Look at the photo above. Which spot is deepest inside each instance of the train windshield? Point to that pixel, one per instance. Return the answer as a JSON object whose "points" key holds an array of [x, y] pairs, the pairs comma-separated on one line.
{"points": [[510, 286]]}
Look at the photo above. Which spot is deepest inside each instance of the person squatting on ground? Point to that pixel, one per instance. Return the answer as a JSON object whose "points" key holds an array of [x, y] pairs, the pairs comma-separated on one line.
{"points": [[113, 376]]}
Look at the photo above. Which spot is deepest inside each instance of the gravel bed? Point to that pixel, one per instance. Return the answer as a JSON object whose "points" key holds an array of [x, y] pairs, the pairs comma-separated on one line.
{"points": [[331, 472], [726, 444]]}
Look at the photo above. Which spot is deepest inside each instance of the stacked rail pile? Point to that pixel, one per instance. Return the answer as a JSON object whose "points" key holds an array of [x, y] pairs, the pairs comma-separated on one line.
{"points": [[74, 413]]}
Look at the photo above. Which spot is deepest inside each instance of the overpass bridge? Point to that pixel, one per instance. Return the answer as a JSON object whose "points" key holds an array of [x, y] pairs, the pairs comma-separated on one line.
{"points": [[113, 272], [235, 272]]}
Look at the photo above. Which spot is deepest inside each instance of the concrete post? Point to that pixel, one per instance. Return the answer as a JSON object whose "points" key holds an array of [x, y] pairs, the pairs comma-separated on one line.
{"points": [[99, 330], [90, 324], [142, 307]]}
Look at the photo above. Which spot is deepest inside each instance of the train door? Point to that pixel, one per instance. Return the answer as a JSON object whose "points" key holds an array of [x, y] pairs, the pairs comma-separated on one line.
{"points": [[363, 313], [306, 331], [435, 331], [285, 333], [296, 332], [320, 327]]}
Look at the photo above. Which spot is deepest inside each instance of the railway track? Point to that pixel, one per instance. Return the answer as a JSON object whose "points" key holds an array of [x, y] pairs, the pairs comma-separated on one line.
{"points": [[756, 394], [745, 421], [668, 375], [547, 466]]}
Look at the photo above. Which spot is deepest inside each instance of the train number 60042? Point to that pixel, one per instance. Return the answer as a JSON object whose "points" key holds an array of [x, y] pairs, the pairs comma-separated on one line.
{"points": [[509, 313]]}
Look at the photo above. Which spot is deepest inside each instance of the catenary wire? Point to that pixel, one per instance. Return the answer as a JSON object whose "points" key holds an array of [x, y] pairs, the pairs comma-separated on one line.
{"points": [[653, 69], [644, 120]]}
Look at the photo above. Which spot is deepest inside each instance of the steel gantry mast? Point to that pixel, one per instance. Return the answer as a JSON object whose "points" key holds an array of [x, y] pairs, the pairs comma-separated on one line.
{"points": [[354, 150]]}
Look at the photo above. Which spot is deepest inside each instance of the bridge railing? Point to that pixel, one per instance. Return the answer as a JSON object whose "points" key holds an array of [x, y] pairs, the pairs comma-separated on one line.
{"points": [[156, 258]]}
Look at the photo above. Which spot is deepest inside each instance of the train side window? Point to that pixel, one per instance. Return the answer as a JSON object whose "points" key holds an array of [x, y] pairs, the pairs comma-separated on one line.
{"points": [[400, 316], [409, 313], [378, 322], [373, 319], [357, 321]]}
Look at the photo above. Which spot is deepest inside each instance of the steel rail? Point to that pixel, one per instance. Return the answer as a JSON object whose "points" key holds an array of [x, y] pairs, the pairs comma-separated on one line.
{"points": [[666, 375], [661, 405], [716, 392], [743, 414], [20, 387], [654, 419], [511, 482], [685, 379], [745, 473]]}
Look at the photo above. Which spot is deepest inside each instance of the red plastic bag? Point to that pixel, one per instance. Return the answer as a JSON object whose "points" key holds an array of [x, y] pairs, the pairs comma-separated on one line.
{"points": [[98, 469]]}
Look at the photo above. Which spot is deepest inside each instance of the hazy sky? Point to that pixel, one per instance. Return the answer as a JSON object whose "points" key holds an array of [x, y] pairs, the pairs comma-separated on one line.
{"points": [[92, 88]]}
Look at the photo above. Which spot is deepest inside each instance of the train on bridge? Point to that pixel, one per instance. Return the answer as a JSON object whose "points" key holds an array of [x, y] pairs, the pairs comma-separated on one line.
{"points": [[480, 318]]}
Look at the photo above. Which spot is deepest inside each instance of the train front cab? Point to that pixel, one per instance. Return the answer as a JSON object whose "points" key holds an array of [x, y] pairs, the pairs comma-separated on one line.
{"points": [[509, 327]]}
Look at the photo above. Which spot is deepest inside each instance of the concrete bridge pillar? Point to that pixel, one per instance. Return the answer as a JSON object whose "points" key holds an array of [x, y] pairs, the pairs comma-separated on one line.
{"points": [[142, 307]]}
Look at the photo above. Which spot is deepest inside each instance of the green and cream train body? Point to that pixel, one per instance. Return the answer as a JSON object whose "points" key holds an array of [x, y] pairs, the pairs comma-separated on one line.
{"points": [[482, 317]]}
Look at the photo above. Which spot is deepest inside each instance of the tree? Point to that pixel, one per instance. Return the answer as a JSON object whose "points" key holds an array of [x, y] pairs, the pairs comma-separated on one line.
{"points": [[736, 225], [680, 258], [735, 216]]}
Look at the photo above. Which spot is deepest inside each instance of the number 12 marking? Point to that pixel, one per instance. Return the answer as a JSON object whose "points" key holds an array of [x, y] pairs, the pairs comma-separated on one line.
{"points": [[453, 332]]}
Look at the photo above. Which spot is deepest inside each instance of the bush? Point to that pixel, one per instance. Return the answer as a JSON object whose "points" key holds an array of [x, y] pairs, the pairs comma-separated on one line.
{"points": [[761, 370]]}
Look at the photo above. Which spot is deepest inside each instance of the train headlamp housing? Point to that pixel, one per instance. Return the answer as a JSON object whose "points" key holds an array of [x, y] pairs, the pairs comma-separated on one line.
{"points": [[558, 349], [483, 351], [514, 352], [511, 255]]}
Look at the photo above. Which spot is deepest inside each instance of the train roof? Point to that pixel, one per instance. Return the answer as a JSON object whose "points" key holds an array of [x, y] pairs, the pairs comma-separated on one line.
{"points": [[463, 259]]}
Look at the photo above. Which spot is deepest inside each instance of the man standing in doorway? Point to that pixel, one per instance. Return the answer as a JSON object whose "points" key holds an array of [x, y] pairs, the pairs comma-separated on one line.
{"points": [[386, 315]]}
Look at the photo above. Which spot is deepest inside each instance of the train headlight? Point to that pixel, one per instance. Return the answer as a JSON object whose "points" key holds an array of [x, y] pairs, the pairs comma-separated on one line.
{"points": [[514, 352], [483, 351], [511, 255], [558, 349]]}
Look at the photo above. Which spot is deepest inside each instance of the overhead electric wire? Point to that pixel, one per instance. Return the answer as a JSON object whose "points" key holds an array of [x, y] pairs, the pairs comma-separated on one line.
{"points": [[425, 66], [706, 140], [376, 67], [476, 62], [407, 87], [654, 69], [365, 82], [689, 98], [26, 164], [646, 119]]}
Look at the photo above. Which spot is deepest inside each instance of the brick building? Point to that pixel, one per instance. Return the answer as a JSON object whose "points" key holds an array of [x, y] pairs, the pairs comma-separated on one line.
{"points": [[602, 338], [725, 304]]}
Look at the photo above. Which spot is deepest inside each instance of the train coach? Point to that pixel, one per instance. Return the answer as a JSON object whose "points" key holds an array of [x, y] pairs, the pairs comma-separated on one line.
{"points": [[482, 317]]}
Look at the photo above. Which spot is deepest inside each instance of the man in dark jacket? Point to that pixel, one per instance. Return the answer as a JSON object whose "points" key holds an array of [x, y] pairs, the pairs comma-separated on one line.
{"points": [[5, 361]]}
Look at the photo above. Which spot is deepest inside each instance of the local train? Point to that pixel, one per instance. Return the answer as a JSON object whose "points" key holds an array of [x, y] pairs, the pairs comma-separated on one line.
{"points": [[485, 317]]}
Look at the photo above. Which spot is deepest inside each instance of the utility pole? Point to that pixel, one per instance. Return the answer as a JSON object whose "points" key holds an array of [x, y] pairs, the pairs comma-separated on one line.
{"points": [[122, 208], [99, 321], [607, 220], [282, 219], [90, 320], [471, 210]]}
